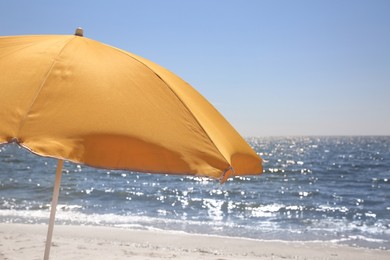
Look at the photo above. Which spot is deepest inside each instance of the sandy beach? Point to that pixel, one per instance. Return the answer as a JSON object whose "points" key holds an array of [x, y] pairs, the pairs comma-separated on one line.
{"points": [[23, 241]]}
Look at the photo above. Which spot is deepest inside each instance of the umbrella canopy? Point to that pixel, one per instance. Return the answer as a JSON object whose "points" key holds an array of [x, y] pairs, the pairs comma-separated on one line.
{"points": [[73, 98], [70, 97]]}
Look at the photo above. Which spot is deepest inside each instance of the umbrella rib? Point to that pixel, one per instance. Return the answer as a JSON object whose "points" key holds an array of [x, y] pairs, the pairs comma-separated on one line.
{"points": [[177, 96], [23, 120]]}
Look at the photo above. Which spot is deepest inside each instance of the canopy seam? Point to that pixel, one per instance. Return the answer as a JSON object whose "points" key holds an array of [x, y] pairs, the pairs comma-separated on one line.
{"points": [[24, 118], [177, 96]]}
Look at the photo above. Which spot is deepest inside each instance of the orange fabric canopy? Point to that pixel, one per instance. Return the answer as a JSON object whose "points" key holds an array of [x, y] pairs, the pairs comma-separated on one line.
{"points": [[73, 98]]}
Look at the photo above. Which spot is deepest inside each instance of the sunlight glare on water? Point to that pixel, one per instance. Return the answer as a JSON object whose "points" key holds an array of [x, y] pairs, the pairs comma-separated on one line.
{"points": [[313, 188]]}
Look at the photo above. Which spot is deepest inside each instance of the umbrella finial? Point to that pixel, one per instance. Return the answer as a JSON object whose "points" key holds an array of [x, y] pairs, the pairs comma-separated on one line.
{"points": [[79, 32]]}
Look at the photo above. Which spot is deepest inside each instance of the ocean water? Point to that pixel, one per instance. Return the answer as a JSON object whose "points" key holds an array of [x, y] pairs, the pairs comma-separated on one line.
{"points": [[313, 189]]}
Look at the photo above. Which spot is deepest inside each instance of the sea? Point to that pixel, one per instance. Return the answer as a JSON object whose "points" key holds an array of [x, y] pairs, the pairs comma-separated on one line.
{"points": [[318, 188]]}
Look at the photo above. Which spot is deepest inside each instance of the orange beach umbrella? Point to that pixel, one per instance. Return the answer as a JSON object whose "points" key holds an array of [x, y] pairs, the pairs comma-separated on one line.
{"points": [[73, 98]]}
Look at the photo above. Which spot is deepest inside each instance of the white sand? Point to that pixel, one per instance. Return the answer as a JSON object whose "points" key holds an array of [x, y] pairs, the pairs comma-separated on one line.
{"points": [[19, 241]]}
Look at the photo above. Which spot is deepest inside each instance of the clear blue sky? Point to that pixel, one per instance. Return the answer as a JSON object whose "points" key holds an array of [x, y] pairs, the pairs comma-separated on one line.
{"points": [[270, 67]]}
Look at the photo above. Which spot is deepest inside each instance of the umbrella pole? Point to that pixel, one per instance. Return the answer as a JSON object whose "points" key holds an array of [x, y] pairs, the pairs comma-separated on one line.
{"points": [[54, 202]]}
